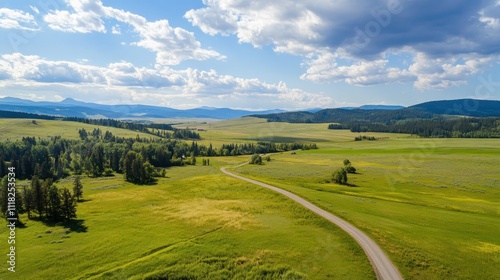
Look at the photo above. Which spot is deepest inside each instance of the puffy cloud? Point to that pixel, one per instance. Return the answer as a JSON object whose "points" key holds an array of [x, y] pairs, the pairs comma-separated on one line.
{"points": [[171, 45], [126, 74], [86, 19], [16, 19], [363, 34], [442, 73], [424, 71], [189, 87], [362, 73], [288, 25], [34, 68], [221, 21]]}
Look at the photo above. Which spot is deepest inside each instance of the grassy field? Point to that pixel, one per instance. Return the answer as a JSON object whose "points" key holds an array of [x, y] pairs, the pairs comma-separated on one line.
{"points": [[195, 224], [15, 129], [435, 208], [432, 204], [249, 130]]}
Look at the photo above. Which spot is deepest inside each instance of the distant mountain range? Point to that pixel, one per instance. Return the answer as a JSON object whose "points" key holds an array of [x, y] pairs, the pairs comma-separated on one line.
{"points": [[73, 108], [371, 107], [461, 107], [428, 110]]}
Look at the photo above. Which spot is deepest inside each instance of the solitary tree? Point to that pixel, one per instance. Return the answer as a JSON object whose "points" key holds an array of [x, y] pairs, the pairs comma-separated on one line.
{"points": [[340, 176], [256, 159], [78, 188]]}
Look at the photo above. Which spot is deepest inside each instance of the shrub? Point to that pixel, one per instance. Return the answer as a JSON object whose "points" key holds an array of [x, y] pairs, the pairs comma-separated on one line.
{"points": [[340, 176]]}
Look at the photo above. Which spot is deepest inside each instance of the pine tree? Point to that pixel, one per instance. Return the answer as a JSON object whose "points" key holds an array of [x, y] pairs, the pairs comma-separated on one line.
{"points": [[3, 195], [46, 186], [38, 196], [28, 200], [149, 171], [3, 167], [97, 160], [78, 188], [54, 204], [68, 205]]}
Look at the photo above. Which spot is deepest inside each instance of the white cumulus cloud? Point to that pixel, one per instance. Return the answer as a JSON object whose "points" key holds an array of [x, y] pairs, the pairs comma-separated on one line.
{"points": [[17, 19], [354, 41], [188, 87], [172, 45]]}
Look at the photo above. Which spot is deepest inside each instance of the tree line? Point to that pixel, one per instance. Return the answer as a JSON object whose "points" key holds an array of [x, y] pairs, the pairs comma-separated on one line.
{"points": [[21, 115], [438, 127], [157, 129], [348, 115], [261, 148], [103, 154]]}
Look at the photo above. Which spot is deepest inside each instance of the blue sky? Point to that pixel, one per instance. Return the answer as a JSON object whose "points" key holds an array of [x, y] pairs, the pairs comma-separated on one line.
{"points": [[250, 54]]}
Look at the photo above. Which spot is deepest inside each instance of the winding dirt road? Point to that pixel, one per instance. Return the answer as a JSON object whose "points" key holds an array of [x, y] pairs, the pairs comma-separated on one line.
{"points": [[384, 268]]}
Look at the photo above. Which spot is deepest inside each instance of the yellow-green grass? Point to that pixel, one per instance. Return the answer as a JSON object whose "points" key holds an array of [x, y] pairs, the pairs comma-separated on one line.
{"points": [[432, 204], [195, 223], [250, 129], [15, 129]]}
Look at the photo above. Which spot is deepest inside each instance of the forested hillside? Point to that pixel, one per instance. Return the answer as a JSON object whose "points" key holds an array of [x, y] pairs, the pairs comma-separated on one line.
{"points": [[432, 119]]}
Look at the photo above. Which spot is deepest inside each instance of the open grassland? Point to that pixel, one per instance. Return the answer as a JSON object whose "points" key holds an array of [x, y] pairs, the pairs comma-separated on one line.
{"points": [[432, 204], [250, 129], [15, 129], [195, 224]]}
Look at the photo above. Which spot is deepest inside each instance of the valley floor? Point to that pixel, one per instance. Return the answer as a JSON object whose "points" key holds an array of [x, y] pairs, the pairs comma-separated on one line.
{"points": [[433, 205]]}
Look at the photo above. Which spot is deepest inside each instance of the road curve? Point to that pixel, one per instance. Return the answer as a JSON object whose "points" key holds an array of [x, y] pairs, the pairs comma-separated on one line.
{"points": [[384, 268]]}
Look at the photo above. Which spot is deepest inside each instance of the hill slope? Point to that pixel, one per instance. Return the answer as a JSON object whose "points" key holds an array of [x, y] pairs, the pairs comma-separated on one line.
{"points": [[428, 110], [462, 107]]}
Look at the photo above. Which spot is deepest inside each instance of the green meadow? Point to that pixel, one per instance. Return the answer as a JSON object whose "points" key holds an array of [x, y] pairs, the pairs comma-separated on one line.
{"points": [[432, 204], [250, 129], [15, 129], [195, 224]]}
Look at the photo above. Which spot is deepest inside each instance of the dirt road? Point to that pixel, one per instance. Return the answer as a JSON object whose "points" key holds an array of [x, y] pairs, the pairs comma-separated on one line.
{"points": [[384, 268]]}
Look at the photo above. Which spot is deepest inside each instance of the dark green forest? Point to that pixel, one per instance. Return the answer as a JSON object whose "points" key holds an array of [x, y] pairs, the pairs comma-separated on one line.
{"points": [[438, 127], [100, 153], [409, 121]]}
